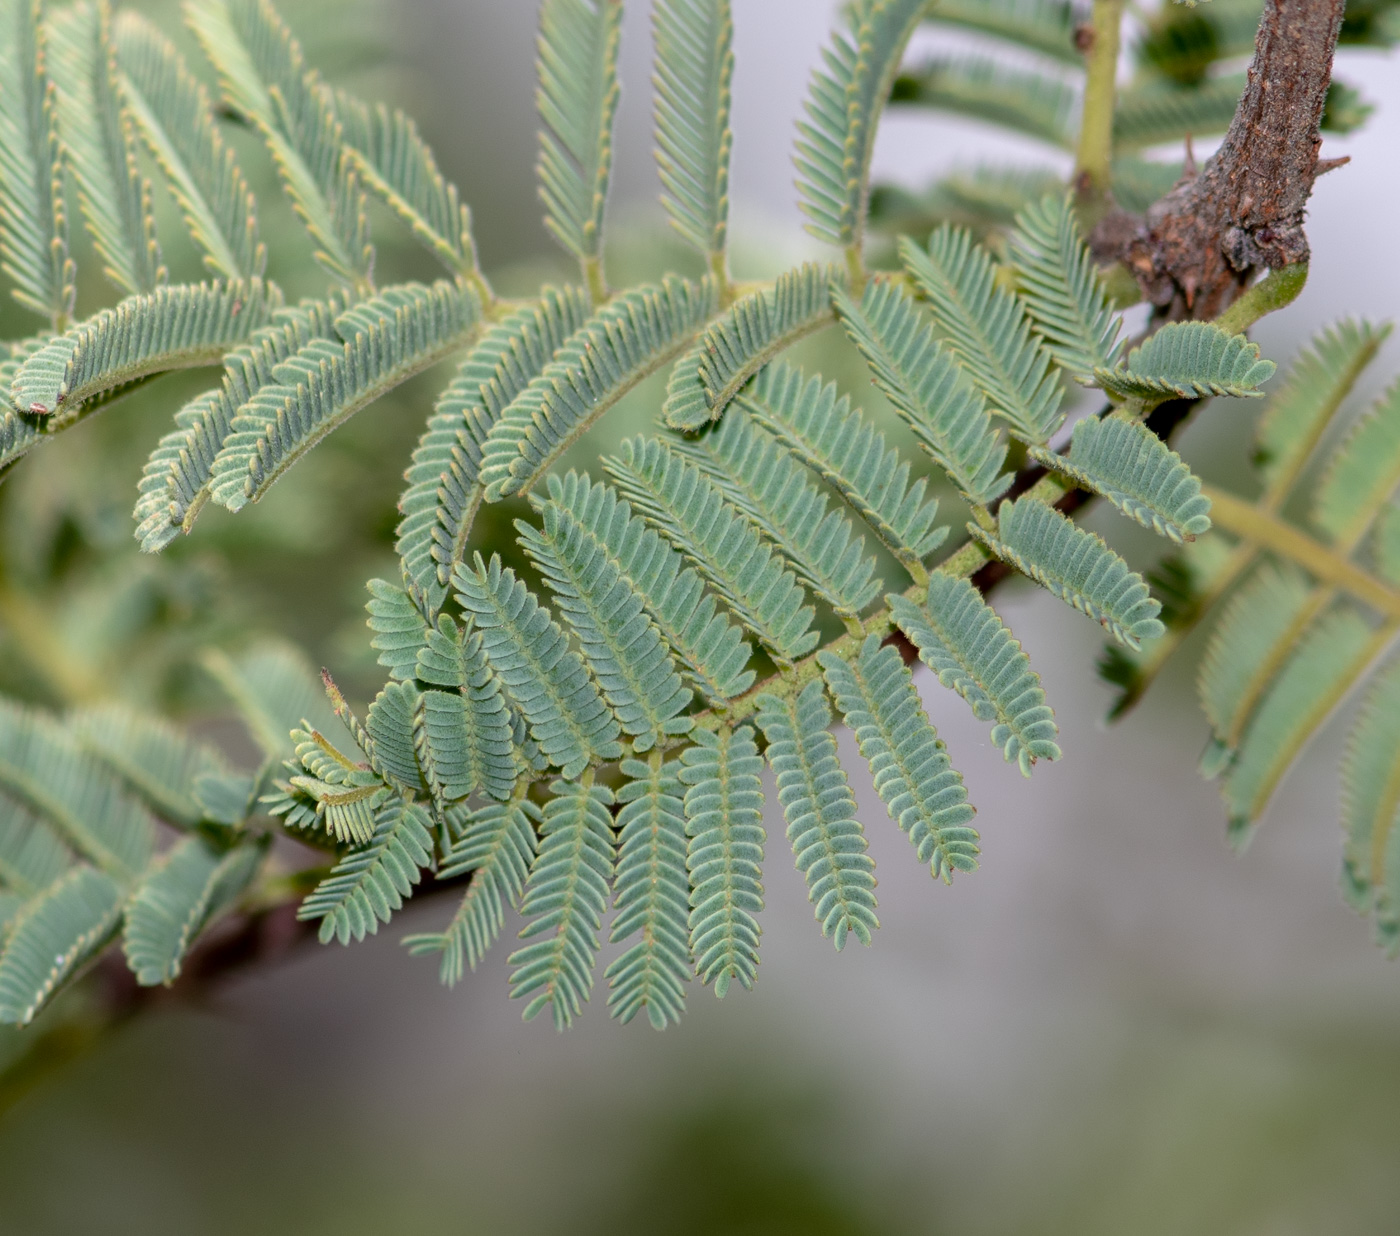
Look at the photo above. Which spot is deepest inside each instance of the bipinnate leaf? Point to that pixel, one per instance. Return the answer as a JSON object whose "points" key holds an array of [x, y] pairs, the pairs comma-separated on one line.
{"points": [[1076, 566], [496, 846], [568, 890], [724, 855], [925, 795], [1136, 471], [652, 897], [962, 640], [827, 840], [1188, 360], [1361, 473]]}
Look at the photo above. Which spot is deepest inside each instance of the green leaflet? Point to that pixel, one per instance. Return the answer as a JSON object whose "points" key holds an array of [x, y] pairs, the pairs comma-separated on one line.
{"points": [[392, 723], [177, 899], [440, 502], [712, 649], [830, 436], [175, 482], [568, 890], [694, 67], [468, 730], [828, 842], [988, 330], [844, 101], [753, 331], [926, 386], [526, 648], [157, 761], [1076, 566], [176, 119], [621, 644], [1155, 111], [45, 769], [369, 884], [1039, 105], [1188, 360], [1387, 544], [496, 845], [396, 164], [264, 78], [962, 640], [52, 936], [1061, 289], [630, 338], [386, 340], [653, 892], [687, 508], [171, 328], [1304, 403], [762, 479], [33, 221], [336, 794], [1361, 473], [31, 854], [724, 856], [577, 100], [273, 687], [398, 626], [1252, 639], [924, 794], [1046, 27], [1136, 471], [1328, 660], [97, 130], [1371, 786]]}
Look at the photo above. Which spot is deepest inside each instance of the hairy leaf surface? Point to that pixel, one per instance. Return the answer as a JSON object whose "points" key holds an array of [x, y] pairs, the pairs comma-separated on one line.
{"points": [[1189, 360]]}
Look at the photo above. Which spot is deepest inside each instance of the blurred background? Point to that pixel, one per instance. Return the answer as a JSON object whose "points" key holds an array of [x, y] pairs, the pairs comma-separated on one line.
{"points": [[1116, 1025]]}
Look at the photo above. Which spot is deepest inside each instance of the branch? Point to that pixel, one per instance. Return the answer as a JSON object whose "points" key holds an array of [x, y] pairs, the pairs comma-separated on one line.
{"points": [[1200, 244]]}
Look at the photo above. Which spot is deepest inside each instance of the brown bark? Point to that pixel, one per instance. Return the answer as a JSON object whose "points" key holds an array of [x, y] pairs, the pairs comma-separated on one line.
{"points": [[1198, 246]]}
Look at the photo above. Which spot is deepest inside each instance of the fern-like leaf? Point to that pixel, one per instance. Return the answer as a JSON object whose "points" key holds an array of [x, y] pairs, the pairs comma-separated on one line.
{"points": [[1046, 27], [763, 479], [171, 328], [844, 102], [32, 855], [828, 842], [52, 936], [621, 644], [1371, 786], [33, 220], [177, 122], [962, 640], [577, 100], [624, 342], [264, 79], [1061, 289], [653, 893], [1361, 474], [988, 330], [712, 649], [369, 884], [820, 426], [924, 793], [443, 493], [724, 855], [1328, 660], [927, 387], [568, 889], [1136, 471], [1038, 105], [753, 331], [175, 901], [1076, 566], [688, 509], [1155, 111], [386, 340], [1304, 403], [1189, 360], [497, 846], [526, 648], [398, 626], [694, 67], [98, 132], [395, 716]]}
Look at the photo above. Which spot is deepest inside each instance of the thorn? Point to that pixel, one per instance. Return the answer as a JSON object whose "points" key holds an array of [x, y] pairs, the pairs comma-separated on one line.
{"points": [[1188, 172], [1329, 165]]}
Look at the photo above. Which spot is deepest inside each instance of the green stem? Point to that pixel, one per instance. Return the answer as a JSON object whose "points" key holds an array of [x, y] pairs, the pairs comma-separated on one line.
{"points": [[595, 282], [1275, 290], [1094, 157]]}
